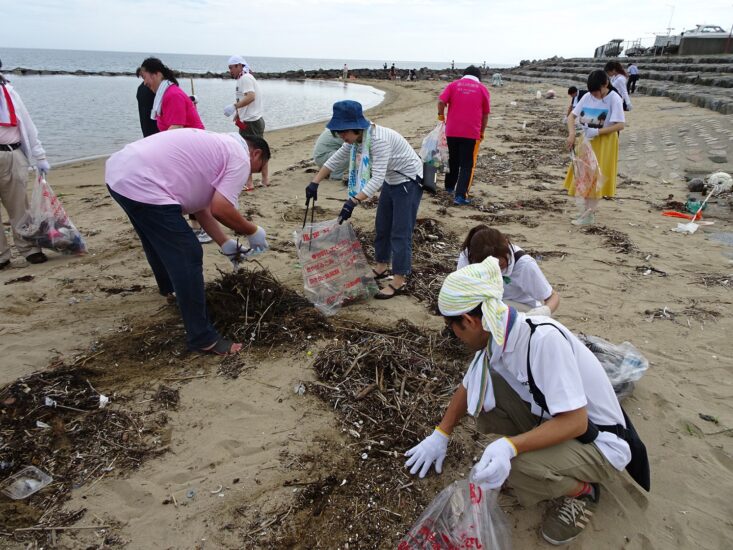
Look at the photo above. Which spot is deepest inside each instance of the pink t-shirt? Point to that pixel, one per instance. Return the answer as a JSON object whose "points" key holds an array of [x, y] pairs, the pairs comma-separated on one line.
{"points": [[468, 101], [178, 110], [180, 167]]}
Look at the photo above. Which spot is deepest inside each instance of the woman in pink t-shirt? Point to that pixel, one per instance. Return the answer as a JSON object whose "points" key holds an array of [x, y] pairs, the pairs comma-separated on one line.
{"points": [[172, 107]]}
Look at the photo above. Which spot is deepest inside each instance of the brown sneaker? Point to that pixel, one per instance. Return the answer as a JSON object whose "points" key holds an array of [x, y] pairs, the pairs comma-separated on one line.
{"points": [[568, 519]]}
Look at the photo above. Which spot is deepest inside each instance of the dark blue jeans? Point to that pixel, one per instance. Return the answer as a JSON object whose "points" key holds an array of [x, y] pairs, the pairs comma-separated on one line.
{"points": [[396, 215], [176, 258]]}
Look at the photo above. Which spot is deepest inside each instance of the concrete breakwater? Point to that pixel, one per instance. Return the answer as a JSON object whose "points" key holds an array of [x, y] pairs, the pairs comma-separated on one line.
{"points": [[320, 74], [704, 81]]}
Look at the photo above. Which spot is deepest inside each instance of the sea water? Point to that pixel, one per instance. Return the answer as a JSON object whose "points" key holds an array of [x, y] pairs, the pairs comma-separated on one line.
{"points": [[86, 116]]}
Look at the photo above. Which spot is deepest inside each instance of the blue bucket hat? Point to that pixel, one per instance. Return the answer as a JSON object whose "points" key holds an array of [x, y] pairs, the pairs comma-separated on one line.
{"points": [[347, 115]]}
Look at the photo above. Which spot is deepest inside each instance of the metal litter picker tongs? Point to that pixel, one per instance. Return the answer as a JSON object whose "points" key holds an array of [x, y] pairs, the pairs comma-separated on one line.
{"points": [[305, 219]]}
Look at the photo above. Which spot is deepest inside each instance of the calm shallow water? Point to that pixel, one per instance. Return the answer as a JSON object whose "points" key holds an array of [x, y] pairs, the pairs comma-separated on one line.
{"points": [[84, 116]]}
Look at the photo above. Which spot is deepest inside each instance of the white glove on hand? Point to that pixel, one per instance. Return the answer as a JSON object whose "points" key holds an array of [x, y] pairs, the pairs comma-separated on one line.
{"points": [[43, 166], [229, 110], [495, 464], [430, 450], [258, 240], [565, 119], [236, 253], [590, 133], [541, 310]]}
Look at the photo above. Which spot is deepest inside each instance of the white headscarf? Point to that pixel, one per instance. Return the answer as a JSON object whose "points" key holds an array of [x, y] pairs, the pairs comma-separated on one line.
{"points": [[472, 285]]}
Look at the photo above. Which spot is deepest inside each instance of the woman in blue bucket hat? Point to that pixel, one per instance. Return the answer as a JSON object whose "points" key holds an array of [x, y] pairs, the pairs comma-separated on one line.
{"points": [[379, 159]]}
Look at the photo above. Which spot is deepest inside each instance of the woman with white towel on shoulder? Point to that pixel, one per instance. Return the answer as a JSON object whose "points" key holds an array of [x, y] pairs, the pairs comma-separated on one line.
{"points": [[525, 286]]}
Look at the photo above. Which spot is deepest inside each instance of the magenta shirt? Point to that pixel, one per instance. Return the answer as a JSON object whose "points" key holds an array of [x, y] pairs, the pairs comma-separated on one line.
{"points": [[468, 101], [183, 167], [178, 110]]}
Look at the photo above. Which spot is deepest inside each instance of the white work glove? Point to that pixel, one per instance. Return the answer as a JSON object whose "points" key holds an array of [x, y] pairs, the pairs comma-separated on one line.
{"points": [[495, 464], [235, 252], [628, 107], [539, 311], [258, 240], [590, 133], [229, 110], [430, 450], [43, 166]]}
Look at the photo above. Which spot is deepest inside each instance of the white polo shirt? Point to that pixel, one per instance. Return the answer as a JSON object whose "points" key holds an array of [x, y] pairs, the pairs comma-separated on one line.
{"points": [[527, 284], [566, 372]]}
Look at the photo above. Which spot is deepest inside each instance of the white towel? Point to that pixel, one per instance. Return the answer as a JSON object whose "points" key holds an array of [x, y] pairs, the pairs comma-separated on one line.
{"points": [[478, 385], [158, 101]]}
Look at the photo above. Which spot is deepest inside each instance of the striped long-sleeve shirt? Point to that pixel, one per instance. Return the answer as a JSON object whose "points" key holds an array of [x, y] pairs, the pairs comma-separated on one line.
{"points": [[390, 154]]}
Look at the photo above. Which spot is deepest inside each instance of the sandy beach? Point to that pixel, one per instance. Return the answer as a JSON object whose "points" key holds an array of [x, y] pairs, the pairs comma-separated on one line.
{"points": [[242, 461]]}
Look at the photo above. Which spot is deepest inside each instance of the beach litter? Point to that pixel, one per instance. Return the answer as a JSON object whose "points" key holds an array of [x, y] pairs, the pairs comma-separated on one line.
{"points": [[252, 306], [24, 483], [690, 227]]}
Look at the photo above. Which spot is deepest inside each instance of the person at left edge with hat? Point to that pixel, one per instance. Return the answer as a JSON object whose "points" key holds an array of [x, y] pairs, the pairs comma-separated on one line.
{"points": [[19, 148], [380, 161]]}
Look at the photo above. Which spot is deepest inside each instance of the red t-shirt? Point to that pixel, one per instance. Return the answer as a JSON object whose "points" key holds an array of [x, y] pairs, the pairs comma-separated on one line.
{"points": [[468, 101], [178, 110]]}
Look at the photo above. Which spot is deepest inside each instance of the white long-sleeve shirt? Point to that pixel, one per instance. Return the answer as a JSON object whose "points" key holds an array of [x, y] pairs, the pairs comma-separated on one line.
{"points": [[389, 155], [29, 142]]}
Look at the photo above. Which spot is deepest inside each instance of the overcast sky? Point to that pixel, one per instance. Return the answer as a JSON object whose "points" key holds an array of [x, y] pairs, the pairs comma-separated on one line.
{"points": [[496, 31]]}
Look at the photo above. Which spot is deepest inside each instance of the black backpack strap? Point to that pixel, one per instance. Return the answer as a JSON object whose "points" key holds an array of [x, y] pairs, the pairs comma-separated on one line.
{"points": [[518, 254], [592, 431], [638, 466]]}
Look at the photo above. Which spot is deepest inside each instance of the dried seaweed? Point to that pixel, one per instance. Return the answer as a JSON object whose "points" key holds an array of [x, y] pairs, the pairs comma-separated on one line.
{"points": [[252, 306], [53, 420], [614, 239]]}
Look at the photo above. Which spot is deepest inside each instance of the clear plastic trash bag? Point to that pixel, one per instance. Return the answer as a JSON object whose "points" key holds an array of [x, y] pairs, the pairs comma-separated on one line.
{"points": [[623, 363], [463, 515], [335, 270], [46, 223], [434, 150]]}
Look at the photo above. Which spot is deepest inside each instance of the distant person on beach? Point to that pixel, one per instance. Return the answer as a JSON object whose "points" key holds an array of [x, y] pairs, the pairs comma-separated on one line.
{"points": [[617, 74], [469, 105], [601, 116], [345, 73], [380, 161], [525, 286], [575, 96], [633, 78], [248, 107], [326, 145], [19, 149], [145, 100], [392, 72], [157, 179], [172, 109], [535, 383], [452, 65]]}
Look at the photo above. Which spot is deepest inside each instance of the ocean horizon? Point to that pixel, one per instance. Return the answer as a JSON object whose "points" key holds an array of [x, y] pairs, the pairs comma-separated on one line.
{"points": [[100, 60]]}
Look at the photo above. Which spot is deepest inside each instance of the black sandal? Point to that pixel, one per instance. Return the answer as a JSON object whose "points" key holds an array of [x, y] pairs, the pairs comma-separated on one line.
{"points": [[397, 292], [222, 347], [379, 276]]}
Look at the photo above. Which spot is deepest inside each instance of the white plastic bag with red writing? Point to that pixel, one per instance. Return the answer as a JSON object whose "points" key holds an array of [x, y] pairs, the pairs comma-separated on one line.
{"points": [[46, 223], [463, 515], [335, 270]]}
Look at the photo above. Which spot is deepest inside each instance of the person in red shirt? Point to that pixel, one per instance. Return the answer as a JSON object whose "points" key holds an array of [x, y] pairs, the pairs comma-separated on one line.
{"points": [[469, 106], [172, 108]]}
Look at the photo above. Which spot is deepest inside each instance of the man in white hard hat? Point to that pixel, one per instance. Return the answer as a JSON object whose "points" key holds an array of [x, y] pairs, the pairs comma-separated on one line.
{"points": [[248, 108]]}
